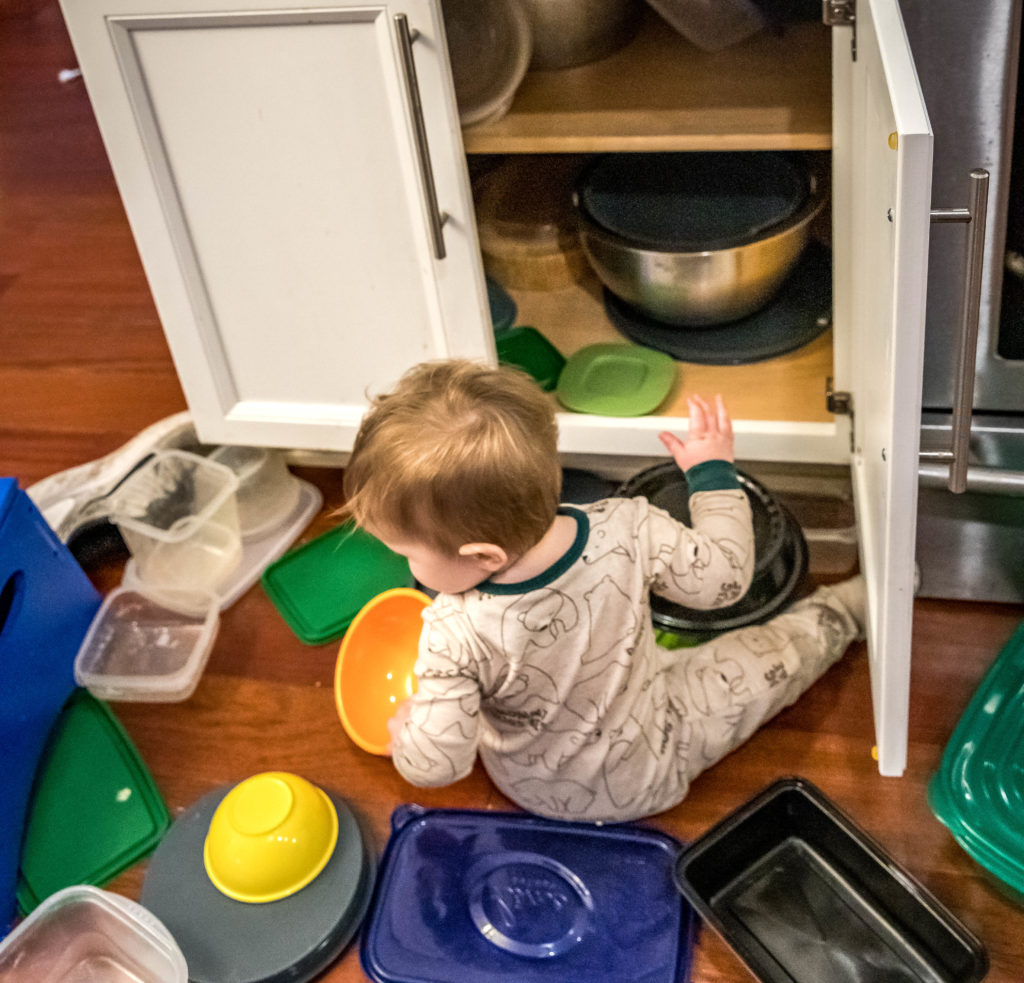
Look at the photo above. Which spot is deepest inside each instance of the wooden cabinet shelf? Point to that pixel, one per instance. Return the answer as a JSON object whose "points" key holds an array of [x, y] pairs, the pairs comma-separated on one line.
{"points": [[662, 93], [788, 388]]}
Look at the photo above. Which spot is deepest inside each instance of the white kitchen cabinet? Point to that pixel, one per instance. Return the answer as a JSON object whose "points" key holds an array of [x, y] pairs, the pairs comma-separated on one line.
{"points": [[267, 157], [274, 170]]}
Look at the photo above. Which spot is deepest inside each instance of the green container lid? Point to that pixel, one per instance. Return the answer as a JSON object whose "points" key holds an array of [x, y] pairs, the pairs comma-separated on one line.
{"points": [[95, 809], [978, 789], [616, 380], [321, 586], [527, 348]]}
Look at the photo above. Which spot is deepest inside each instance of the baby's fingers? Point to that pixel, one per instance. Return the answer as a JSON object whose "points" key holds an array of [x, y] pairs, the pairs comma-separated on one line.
{"points": [[699, 413], [722, 414], [672, 443]]}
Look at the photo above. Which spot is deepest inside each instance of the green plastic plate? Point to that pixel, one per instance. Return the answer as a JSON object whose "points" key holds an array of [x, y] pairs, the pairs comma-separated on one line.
{"points": [[321, 586], [979, 787], [94, 811], [616, 380]]}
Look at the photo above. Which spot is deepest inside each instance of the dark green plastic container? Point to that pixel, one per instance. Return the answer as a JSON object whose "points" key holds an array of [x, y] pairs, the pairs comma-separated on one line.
{"points": [[528, 349], [978, 789], [322, 585]]}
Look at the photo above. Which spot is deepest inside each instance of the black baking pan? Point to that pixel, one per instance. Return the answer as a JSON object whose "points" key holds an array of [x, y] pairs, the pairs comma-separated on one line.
{"points": [[802, 895]]}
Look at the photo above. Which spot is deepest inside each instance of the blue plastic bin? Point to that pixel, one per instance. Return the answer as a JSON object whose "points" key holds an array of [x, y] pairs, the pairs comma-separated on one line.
{"points": [[46, 606]]}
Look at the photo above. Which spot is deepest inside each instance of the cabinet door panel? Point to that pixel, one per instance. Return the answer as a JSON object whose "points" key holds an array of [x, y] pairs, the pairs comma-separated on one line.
{"points": [[269, 167], [882, 188]]}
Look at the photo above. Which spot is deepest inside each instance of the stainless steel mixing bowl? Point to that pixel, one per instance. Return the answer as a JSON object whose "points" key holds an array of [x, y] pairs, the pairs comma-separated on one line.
{"points": [[575, 32], [700, 287]]}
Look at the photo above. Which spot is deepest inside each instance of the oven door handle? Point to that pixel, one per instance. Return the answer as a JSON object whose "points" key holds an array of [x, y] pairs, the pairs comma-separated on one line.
{"points": [[975, 215], [979, 479]]}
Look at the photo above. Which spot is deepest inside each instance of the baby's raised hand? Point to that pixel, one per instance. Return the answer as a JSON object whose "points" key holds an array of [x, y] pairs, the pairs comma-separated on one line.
{"points": [[710, 437]]}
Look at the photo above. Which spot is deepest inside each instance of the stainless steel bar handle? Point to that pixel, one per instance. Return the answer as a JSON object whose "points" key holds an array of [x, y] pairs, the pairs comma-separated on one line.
{"points": [[980, 479], [435, 217], [970, 312]]}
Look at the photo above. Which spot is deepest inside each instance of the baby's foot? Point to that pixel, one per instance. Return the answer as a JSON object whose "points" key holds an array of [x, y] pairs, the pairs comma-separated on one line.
{"points": [[852, 594]]}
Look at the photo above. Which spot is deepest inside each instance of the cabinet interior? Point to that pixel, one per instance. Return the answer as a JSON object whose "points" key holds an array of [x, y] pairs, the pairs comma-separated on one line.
{"points": [[661, 93]]}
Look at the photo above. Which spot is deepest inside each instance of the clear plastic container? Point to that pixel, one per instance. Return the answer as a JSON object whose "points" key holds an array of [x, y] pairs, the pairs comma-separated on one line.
{"points": [[526, 222], [83, 934], [138, 649], [179, 518], [267, 490], [489, 45]]}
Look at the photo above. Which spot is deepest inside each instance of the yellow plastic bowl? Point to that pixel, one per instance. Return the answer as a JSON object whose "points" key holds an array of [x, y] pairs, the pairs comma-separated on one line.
{"points": [[269, 837], [374, 671]]}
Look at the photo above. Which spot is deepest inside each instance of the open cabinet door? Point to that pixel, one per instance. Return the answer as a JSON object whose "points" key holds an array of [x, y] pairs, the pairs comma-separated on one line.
{"points": [[882, 155], [273, 162]]}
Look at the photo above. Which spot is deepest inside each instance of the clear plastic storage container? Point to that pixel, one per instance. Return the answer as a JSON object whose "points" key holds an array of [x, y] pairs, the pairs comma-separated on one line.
{"points": [[179, 518], [267, 491], [82, 934], [138, 649]]}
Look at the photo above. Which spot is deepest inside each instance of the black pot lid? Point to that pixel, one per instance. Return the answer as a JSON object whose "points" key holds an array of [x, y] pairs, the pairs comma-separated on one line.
{"points": [[665, 485], [781, 556], [800, 312], [494, 897], [692, 201], [227, 941], [768, 595]]}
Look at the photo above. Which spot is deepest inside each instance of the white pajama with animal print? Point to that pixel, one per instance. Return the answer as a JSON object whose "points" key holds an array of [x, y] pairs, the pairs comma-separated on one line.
{"points": [[560, 687]]}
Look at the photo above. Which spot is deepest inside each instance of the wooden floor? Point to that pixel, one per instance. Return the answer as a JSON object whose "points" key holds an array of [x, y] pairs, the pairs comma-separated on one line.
{"points": [[83, 366]]}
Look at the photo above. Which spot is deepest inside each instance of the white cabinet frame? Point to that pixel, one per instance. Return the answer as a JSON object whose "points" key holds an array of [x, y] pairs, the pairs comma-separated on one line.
{"points": [[268, 157]]}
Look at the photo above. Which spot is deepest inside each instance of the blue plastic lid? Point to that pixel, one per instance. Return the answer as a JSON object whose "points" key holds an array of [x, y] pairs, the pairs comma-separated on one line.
{"points": [[8, 489], [485, 896]]}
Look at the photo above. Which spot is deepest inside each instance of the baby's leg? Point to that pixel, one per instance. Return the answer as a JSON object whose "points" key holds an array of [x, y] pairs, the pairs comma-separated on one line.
{"points": [[730, 686]]}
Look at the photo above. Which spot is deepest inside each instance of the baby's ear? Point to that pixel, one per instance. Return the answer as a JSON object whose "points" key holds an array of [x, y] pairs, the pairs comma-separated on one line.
{"points": [[490, 556]]}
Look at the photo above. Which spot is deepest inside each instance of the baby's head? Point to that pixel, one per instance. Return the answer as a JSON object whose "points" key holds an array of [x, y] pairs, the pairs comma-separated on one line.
{"points": [[458, 453]]}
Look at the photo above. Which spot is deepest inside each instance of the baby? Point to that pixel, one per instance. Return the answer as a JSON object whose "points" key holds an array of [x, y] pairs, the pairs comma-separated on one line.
{"points": [[539, 652]]}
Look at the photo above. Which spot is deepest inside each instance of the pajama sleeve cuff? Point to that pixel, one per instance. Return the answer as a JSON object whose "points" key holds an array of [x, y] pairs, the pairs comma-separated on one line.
{"points": [[714, 475]]}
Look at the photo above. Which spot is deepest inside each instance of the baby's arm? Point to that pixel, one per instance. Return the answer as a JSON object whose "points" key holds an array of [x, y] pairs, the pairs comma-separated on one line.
{"points": [[434, 732], [711, 564]]}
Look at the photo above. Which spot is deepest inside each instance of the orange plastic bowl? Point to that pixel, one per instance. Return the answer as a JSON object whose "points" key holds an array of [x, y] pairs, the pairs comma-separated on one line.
{"points": [[374, 671]]}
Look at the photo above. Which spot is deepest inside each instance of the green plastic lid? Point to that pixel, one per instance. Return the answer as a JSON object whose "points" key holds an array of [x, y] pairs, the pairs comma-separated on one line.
{"points": [[94, 811], [527, 348], [616, 380], [321, 586], [979, 786]]}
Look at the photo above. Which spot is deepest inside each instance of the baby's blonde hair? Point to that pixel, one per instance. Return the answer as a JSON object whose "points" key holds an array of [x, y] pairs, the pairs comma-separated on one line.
{"points": [[457, 453]]}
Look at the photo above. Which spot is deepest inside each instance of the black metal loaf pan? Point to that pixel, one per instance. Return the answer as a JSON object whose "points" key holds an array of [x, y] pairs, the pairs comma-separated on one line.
{"points": [[802, 895]]}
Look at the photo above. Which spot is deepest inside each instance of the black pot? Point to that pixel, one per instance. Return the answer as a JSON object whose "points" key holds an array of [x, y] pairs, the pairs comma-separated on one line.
{"points": [[780, 564]]}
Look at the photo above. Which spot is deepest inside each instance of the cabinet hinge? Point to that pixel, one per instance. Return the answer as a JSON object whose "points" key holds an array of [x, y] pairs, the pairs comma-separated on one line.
{"points": [[840, 404], [841, 13]]}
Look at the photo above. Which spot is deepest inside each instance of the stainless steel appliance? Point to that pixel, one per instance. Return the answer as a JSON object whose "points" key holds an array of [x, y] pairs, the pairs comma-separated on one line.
{"points": [[971, 545]]}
